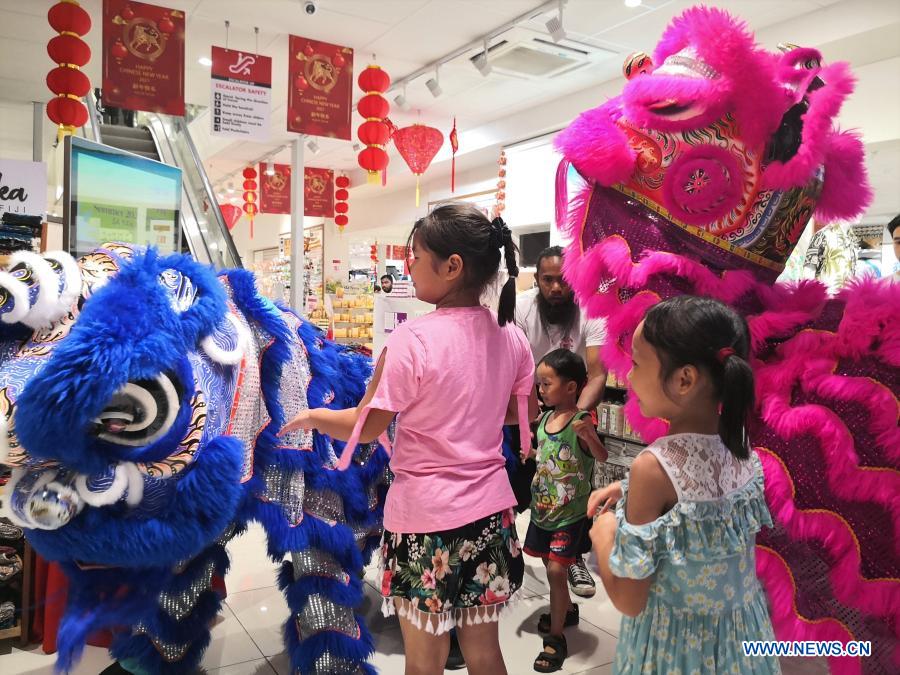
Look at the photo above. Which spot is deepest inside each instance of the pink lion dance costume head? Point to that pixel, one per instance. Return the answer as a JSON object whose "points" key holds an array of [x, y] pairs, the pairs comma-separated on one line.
{"points": [[700, 179]]}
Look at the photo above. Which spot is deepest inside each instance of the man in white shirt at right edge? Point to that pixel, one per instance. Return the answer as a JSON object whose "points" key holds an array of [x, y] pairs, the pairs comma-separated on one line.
{"points": [[550, 319]]}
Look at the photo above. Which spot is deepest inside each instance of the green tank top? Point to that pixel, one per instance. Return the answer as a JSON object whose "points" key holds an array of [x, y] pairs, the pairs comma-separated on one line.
{"points": [[562, 481]]}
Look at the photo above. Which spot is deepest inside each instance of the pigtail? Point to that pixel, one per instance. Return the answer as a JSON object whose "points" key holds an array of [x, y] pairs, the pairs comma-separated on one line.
{"points": [[506, 311]]}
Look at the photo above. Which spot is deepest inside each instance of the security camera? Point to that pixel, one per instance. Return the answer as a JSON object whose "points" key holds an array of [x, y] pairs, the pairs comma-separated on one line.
{"points": [[309, 7]]}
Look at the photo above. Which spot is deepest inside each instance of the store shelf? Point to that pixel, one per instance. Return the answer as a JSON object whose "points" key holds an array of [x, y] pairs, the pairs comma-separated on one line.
{"points": [[620, 460], [626, 439], [14, 632]]}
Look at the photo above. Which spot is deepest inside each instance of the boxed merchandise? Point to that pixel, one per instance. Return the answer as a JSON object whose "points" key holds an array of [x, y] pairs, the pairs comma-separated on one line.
{"points": [[616, 419], [615, 447], [603, 417]]}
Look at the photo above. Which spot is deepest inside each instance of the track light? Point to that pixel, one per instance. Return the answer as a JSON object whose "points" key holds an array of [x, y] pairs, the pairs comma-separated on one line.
{"points": [[357, 147], [481, 61], [230, 188], [632, 3], [434, 84], [400, 99], [555, 25], [313, 146], [270, 169]]}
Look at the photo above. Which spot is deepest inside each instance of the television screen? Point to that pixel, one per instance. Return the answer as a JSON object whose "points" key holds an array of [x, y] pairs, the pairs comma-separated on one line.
{"points": [[115, 196], [531, 245]]}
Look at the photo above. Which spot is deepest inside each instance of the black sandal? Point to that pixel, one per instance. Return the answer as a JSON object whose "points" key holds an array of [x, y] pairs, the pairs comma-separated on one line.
{"points": [[553, 660], [572, 618]]}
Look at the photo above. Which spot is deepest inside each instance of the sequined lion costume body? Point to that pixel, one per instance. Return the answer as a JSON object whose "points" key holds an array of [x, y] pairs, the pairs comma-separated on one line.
{"points": [[700, 178], [141, 398]]}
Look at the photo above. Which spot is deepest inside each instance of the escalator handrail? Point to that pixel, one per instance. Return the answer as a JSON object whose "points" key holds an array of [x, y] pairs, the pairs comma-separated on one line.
{"points": [[207, 186]]}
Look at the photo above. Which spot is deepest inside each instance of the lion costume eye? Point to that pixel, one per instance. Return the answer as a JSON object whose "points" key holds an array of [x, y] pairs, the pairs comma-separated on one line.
{"points": [[141, 412]]}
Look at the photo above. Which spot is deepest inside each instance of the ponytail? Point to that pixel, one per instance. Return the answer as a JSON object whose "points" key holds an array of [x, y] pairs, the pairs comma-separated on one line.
{"points": [[506, 311], [737, 403]]}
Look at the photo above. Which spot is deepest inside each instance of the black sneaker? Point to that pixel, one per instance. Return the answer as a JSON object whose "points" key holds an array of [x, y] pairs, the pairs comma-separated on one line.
{"points": [[580, 580], [455, 660]]}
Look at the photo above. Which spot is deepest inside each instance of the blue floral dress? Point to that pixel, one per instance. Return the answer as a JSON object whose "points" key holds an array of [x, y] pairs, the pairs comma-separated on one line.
{"points": [[705, 598]]}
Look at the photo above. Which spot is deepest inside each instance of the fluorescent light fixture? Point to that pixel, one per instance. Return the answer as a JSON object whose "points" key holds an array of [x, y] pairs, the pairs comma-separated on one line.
{"points": [[313, 146], [434, 84], [205, 61], [481, 61], [632, 3], [555, 25]]}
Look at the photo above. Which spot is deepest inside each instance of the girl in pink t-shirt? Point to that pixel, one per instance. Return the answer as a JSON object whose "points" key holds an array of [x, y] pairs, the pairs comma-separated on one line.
{"points": [[450, 554]]}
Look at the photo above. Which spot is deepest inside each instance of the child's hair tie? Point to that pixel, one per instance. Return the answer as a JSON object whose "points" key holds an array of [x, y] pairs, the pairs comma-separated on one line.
{"points": [[723, 354]]}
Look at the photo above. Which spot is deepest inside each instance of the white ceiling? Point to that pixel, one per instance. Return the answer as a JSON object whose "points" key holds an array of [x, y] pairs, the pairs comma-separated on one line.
{"points": [[406, 35]]}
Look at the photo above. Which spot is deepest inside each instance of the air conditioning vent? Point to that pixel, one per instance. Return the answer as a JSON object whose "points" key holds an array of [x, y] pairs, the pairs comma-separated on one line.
{"points": [[530, 55]]}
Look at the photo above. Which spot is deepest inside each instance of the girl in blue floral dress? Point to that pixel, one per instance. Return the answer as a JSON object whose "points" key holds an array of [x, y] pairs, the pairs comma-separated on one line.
{"points": [[677, 556]]}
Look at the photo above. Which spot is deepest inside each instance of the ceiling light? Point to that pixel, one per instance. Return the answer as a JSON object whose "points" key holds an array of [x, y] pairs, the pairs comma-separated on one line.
{"points": [[357, 147], [230, 188], [219, 195], [270, 169], [555, 25], [481, 61], [205, 61], [434, 84], [400, 99], [632, 3], [313, 146]]}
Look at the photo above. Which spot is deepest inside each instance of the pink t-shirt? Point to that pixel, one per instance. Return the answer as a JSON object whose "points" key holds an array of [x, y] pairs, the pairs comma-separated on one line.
{"points": [[450, 375]]}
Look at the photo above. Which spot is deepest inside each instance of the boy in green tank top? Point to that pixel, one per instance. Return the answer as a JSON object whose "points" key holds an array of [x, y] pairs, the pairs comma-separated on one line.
{"points": [[568, 446]]}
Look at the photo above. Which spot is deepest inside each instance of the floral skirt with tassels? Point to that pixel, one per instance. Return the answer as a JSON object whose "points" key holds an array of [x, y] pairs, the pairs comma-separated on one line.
{"points": [[442, 579]]}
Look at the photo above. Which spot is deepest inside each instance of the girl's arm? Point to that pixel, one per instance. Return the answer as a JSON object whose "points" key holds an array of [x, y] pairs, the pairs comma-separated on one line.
{"points": [[339, 423], [512, 414], [650, 494]]}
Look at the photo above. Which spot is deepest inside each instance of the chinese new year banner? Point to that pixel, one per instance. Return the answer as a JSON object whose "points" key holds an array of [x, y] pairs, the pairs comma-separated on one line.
{"points": [[318, 193], [320, 88], [143, 57], [275, 190], [241, 94]]}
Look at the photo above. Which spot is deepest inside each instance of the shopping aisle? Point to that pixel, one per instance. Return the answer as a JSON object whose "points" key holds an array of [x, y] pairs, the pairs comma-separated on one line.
{"points": [[246, 639]]}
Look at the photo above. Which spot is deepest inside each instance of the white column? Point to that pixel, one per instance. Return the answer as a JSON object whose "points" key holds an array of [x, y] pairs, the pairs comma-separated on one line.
{"points": [[298, 293]]}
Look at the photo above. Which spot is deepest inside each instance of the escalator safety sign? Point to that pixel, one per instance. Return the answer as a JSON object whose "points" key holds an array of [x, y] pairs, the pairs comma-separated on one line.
{"points": [[241, 99]]}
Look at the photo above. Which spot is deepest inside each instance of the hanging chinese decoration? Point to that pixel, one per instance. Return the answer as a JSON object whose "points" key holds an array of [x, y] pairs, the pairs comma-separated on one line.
{"points": [[341, 195], [454, 146], [501, 184], [67, 81], [373, 255], [391, 129], [231, 213], [418, 145], [250, 207], [374, 133]]}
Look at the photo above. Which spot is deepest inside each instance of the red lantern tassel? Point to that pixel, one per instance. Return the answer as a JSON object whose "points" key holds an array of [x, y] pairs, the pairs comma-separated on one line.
{"points": [[417, 190], [453, 174]]}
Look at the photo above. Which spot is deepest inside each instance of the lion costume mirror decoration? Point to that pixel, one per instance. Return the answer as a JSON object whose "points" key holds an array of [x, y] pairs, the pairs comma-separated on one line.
{"points": [[700, 178], [141, 399]]}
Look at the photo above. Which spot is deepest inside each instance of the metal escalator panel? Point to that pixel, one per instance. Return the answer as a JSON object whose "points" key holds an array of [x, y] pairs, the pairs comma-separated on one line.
{"points": [[137, 140]]}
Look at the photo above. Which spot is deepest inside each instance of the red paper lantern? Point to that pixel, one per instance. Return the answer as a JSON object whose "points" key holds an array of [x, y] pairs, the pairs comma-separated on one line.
{"points": [[373, 160], [341, 207], [373, 133], [69, 49], [231, 214], [341, 195], [64, 80], [342, 182], [418, 145], [500, 206], [374, 79], [373, 107], [67, 112], [69, 16], [341, 221], [250, 208], [70, 53]]}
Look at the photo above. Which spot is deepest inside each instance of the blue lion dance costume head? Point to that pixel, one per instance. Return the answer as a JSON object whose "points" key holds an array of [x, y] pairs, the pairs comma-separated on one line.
{"points": [[141, 397]]}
